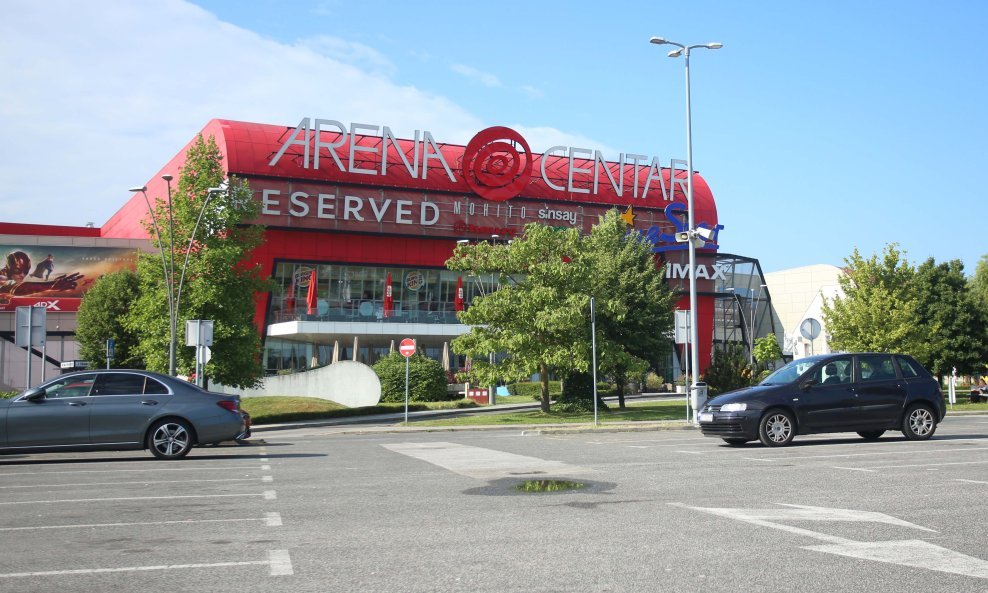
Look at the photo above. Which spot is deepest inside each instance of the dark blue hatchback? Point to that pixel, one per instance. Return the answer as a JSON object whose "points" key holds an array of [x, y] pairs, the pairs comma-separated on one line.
{"points": [[867, 393]]}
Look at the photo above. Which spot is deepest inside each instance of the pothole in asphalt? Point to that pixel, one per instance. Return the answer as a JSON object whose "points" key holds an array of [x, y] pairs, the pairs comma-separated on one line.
{"points": [[560, 485], [548, 486]]}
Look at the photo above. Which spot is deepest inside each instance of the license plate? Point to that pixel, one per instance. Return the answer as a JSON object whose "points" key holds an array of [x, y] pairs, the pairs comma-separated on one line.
{"points": [[706, 417]]}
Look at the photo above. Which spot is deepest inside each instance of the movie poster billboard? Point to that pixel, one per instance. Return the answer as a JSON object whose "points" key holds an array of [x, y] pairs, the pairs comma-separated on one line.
{"points": [[55, 276]]}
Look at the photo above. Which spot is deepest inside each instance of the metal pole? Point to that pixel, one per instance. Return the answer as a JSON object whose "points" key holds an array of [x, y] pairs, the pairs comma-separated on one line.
{"points": [[173, 316], [407, 358], [694, 335], [593, 342], [30, 344], [164, 264]]}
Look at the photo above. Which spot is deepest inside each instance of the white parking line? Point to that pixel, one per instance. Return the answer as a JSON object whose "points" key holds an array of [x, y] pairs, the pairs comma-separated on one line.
{"points": [[900, 452], [135, 482], [150, 469], [970, 481], [267, 494], [267, 479], [897, 466], [691, 452], [279, 561], [271, 520]]}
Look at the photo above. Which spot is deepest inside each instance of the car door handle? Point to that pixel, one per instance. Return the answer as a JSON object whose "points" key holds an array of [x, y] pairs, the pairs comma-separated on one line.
{"points": [[77, 403], [149, 402]]}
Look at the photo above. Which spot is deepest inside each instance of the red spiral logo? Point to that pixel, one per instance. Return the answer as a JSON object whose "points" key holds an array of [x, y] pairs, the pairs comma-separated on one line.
{"points": [[493, 166]]}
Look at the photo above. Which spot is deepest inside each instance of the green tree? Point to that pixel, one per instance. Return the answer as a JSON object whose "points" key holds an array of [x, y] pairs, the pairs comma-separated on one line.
{"points": [[426, 378], [954, 323], [534, 317], [632, 301], [878, 310], [218, 284], [101, 316], [979, 283], [767, 350], [540, 317]]}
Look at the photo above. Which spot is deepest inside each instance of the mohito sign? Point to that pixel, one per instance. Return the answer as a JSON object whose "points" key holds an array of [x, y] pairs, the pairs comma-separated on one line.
{"points": [[497, 164], [374, 210]]}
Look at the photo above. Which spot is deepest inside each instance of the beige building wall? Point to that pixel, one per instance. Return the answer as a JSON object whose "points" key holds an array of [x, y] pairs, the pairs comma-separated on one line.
{"points": [[797, 295]]}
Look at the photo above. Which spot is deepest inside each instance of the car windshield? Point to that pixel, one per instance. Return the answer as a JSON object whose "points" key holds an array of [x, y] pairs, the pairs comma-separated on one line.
{"points": [[791, 371]]}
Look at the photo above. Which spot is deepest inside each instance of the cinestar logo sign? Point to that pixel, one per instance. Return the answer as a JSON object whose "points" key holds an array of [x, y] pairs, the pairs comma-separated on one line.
{"points": [[497, 163]]}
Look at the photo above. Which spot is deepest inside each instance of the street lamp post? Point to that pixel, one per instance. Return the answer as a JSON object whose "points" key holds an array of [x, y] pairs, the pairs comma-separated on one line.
{"points": [[174, 297], [684, 50], [754, 322]]}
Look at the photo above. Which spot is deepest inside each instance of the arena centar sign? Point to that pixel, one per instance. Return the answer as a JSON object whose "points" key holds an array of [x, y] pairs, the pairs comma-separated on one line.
{"points": [[559, 187]]}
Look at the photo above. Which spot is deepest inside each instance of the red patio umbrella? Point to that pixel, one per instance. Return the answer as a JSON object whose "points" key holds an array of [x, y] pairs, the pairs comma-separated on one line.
{"points": [[389, 303], [458, 300], [310, 298]]}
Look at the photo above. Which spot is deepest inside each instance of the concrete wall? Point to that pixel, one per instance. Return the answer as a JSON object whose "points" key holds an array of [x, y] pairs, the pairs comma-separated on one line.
{"points": [[352, 384]]}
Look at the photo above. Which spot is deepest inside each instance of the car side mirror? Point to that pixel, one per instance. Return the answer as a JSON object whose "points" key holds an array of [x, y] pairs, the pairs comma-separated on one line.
{"points": [[34, 394], [807, 384]]}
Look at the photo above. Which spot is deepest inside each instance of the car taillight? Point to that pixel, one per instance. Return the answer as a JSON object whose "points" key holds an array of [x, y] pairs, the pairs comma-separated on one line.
{"points": [[229, 405]]}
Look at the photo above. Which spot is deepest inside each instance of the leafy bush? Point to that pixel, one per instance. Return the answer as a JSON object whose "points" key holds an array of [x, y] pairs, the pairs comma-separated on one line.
{"points": [[577, 395], [534, 389], [426, 379], [729, 369], [654, 382], [7, 394]]}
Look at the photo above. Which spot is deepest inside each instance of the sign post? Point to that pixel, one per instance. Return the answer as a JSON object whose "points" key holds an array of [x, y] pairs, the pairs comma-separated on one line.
{"points": [[407, 349], [30, 331], [199, 333], [110, 351], [593, 348]]}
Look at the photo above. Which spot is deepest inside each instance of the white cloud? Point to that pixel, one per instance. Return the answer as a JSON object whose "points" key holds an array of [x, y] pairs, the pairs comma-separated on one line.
{"points": [[531, 92], [483, 78], [97, 101]]}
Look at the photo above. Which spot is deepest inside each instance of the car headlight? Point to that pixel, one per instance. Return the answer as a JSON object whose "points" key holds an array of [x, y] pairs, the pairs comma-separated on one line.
{"points": [[734, 407]]}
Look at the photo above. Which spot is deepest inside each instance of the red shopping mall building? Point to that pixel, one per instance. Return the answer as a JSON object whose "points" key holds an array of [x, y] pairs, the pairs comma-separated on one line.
{"points": [[358, 205]]}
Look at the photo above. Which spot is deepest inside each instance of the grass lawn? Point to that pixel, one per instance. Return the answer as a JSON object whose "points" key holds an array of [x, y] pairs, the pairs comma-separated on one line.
{"points": [[274, 409], [634, 412]]}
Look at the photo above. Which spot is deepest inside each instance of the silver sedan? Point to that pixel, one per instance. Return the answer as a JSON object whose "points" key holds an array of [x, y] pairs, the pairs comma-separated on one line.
{"points": [[116, 410]]}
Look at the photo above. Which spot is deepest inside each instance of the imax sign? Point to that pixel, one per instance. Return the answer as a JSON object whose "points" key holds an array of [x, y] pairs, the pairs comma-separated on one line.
{"points": [[713, 272]]}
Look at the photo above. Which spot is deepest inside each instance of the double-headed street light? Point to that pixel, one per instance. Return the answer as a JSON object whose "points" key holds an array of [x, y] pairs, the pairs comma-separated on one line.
{"points": [[684, 50], [168, 266]]}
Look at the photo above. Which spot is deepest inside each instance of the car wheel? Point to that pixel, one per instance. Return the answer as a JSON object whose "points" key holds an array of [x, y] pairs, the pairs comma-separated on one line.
{"points": [[170, 439], [871, 435], [776, 429], [919, 423], [735, 441]]}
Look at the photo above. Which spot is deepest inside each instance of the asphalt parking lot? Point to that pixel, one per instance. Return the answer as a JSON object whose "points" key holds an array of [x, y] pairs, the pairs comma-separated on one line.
{"points": [[314, 510]]}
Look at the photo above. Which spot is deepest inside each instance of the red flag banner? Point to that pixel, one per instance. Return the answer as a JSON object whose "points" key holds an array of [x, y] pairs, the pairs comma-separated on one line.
{"points": [[389, 303], [311, 298]]}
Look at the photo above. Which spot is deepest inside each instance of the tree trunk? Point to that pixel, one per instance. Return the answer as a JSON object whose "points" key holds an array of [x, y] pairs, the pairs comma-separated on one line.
{"points": [[544, 382], [619, 381]]}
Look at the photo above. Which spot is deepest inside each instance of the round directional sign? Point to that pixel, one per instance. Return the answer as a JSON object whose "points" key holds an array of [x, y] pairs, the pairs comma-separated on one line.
{"points": [[407, 347], [810, 328]]}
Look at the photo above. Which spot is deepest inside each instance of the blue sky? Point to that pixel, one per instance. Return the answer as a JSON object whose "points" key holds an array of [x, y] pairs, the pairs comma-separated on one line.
{"points": [[820, 127]]}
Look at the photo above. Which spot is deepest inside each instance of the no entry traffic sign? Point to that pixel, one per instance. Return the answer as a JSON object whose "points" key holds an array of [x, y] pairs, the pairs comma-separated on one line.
{"points": [[407, 347]]}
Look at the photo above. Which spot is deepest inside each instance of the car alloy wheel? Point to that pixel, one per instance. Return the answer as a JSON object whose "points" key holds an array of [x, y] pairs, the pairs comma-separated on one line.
{"points": [[919, 423], [776, 429], [169, 439]]}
